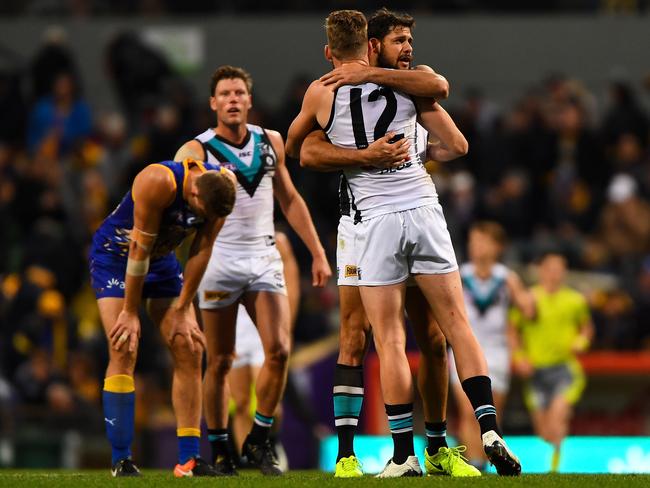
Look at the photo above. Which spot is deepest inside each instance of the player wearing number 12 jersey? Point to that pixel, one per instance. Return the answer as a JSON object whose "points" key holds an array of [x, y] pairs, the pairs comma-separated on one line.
{"points": [[391, 46], [401, 232]]}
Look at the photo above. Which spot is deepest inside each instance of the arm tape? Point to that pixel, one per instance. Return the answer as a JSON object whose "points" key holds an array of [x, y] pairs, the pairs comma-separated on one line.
{"points": [[143, 239], [136, 267]]}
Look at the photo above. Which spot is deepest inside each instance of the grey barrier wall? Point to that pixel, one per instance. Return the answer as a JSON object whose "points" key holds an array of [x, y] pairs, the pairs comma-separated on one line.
{"points": [[500, 55]]}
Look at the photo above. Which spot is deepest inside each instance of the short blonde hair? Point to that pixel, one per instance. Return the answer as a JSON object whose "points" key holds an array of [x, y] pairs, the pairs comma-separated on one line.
{"points": [[347, 33]]}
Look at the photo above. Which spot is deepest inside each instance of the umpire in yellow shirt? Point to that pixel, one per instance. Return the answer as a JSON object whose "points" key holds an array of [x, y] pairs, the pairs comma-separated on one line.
{"points": [[545, 350]]}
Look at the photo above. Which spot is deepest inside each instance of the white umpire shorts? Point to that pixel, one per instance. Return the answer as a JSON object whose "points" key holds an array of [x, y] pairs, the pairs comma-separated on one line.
{"points": [[229, 275], [393, 246]]}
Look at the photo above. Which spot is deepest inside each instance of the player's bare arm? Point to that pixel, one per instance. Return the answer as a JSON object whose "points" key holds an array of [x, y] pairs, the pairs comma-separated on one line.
{"points": [[315, 112], [295, 210], [180, 313], [192, 150], [449, 142], [311, 116], [522, 298], [153, 190], [319, 154], [416, 82]]}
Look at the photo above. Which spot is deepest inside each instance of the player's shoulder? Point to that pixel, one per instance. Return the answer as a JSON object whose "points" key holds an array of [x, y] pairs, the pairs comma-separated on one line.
{"points": [[157, 180], [423, 67], [272, 135], [500, 270], [317, 89], [573, 296], [204, 136]]}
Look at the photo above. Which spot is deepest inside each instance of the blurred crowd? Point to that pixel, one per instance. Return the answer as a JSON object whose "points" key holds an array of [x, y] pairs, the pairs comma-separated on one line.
{"points": [[560, 168]]}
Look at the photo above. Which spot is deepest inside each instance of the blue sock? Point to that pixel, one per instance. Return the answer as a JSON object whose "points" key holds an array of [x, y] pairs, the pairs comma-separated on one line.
{"points": [[188, 444], [118, 399]]}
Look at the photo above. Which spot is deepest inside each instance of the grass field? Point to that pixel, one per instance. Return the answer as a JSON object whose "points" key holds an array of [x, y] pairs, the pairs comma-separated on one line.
{"points": [[55, 479]]}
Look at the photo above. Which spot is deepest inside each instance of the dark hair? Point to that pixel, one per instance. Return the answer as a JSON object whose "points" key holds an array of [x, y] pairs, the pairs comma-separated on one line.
{"points": [[383, 21], [228, 72], [347, 33], [492, 229], [217, 192], [550, 252]]}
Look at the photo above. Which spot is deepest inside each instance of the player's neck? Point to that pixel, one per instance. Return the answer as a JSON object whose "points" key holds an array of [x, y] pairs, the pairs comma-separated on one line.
{"points": [[192, 173], [551, 288], [233, 133], [362, 61], [483, 268]]}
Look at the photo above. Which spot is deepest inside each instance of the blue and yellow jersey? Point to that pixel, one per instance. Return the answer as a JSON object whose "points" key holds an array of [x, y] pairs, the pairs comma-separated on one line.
{"points": [[112, 238]]}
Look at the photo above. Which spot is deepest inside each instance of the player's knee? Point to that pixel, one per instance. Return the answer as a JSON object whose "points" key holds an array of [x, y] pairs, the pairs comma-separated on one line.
{"points": [[123, 360], [183, 353], [392, 347], [352, 348], [242, 405], [436, 346], [278, 354], [219, 365], [354, 320]]}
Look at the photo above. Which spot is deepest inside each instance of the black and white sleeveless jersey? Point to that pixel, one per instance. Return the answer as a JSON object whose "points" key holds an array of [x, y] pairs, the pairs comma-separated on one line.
{"points": [[360, 115]]}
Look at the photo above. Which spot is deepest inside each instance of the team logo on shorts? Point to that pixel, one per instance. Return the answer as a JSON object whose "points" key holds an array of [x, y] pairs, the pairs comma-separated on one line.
{"points": [[351, 271], [115, 283], [215, 296]]}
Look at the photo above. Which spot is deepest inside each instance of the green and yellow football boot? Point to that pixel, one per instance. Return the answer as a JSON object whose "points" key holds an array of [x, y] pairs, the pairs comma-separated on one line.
{"points": [[348, 467], [449, 461]]}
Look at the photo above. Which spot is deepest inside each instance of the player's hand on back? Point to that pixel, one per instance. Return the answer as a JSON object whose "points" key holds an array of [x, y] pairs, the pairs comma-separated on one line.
{"points": [[346, 74], [182, 323], [320, 271], [385, 154], [126, 331]]}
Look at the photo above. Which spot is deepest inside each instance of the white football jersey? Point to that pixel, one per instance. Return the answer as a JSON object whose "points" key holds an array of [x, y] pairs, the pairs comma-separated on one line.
{"points": [[422, 142], [249, 228], [360, 115], [487, 302]]}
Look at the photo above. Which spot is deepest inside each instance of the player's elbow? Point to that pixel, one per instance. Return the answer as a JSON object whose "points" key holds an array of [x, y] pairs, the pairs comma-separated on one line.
{"points": [[460, 147], [441, 88], [291, 148], [308, 158]]}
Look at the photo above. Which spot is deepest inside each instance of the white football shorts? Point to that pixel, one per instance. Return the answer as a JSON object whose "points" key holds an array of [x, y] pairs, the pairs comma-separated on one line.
{"points": [[393, 246], [229, 275]]}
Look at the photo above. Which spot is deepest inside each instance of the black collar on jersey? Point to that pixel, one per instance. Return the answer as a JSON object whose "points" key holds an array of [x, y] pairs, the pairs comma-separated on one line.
{"points": [[249, 186], [230, 143]]}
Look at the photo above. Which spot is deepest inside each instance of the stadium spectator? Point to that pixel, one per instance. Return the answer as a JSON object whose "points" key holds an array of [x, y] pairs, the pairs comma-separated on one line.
{"points": [[58, 122]]}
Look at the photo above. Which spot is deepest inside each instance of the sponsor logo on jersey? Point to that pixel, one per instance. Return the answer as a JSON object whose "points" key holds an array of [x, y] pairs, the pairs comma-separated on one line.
{"points": [[245, 154], [351, 271], [215, 296]]}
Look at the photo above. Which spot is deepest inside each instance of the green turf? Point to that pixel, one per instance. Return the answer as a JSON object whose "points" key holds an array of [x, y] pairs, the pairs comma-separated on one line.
{"points": [[55, 479]]}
